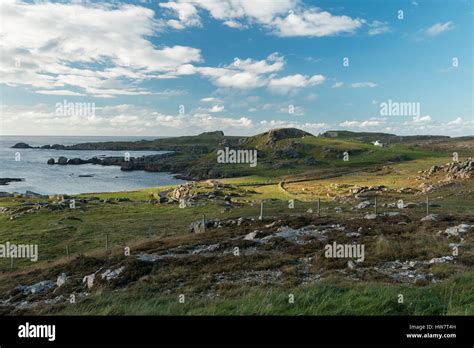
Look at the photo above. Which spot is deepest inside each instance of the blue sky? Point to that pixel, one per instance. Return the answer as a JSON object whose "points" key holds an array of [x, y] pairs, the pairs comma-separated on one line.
{"points": [[239, 65]]}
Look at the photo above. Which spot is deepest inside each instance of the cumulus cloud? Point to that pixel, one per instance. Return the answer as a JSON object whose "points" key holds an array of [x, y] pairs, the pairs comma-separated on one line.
{"points": [[313, 22], [285, 18], [109, 43], [456, 122], [242, 73], [217, 108], [247, 74], [187, 15], [421, 120], [293, 82], [123, 119]]}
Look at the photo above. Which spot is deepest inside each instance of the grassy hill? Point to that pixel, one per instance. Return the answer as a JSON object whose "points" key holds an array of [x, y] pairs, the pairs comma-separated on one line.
{"points": [[286, 151]]}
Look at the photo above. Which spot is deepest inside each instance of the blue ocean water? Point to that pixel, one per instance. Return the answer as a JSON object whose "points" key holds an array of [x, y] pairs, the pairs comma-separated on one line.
{"points": [[55, 179]]}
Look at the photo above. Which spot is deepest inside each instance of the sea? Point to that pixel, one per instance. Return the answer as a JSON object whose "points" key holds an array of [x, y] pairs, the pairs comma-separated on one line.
{"points": [[39, 177]]}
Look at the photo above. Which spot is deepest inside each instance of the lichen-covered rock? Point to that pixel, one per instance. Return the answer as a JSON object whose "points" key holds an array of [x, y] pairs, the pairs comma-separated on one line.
{"points": [[89, 280], [36, 288], [61, 280], [457, 230]]}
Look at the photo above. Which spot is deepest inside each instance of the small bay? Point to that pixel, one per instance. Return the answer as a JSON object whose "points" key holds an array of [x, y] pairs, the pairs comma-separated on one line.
{"points": [[72, 179]]}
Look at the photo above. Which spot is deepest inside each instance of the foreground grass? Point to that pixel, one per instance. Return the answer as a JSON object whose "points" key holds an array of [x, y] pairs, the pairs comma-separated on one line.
{"points": [[452, 297]]}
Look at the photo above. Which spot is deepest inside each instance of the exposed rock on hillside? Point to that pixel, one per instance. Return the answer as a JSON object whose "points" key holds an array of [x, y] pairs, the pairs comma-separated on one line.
{"points": [[214, 133], [274, 135], [453, 170]]}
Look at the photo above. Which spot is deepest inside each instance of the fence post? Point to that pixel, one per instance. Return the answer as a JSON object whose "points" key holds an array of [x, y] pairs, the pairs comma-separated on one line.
{"points": [[261, 211], [319, 207], [427, 205]]}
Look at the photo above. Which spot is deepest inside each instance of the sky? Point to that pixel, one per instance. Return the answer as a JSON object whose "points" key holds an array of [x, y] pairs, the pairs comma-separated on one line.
{"points": [[183, 67]]}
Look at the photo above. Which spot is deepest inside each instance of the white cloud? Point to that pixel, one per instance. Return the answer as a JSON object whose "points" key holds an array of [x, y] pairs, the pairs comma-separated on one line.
{"points": [[234, 24], [337, 85], [246, 74], [439, 28], [363, 124], [128, 119], [243, 73], [306, 126], [210, 100], [293, 82], [217, 108], [255, 11], [284, 18], [378, 27], [273, 63], [124, 119], [363, 85], [228, 78], [421, 120], [313, 22], [187, 15], [59, 92], [109, 42], [457, 121]]}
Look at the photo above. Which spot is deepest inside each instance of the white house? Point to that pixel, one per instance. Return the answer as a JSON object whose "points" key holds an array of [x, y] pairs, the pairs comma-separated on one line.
{"points": [[378, 143]]}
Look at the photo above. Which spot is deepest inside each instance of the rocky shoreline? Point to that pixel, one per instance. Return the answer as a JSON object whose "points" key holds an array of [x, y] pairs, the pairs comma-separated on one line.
{"points": [[6, 181], [152, 163]]}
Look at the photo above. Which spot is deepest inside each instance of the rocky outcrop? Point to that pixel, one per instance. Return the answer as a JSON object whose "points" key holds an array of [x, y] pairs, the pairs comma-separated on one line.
{"points": [[453, 170], [275, 135], [214, 133], [183, 192], [36, 288], [457, 230], [21, 146], [200, 226]]}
